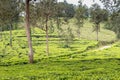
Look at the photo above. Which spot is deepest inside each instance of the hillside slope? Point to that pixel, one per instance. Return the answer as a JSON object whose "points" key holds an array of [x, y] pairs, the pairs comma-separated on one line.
{"points": [[82, 60]]}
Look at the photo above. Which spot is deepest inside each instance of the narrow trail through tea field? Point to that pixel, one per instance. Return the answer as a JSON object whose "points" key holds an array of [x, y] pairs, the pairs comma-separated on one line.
{"points": [[105, 47]]}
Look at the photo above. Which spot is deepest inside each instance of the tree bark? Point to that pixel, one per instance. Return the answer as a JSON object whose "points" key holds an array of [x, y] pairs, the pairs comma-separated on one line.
{"points": [[78, 32], [58, 27], [47, 37], [11, 35], [28, 32], [97, 32], [1, 33]]}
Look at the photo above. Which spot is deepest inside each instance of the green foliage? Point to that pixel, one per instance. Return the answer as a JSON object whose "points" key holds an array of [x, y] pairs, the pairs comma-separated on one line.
{"points": [[80, 16], [93, 64], [67, 36], [78, 60], [43, 13], [69, 70], [98, 15], [65, 9], [17, 54], [70, 63], [9, 13], [113, 23]]}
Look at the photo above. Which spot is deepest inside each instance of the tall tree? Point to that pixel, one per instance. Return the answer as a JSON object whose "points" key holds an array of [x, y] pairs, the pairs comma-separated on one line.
{"points": [[44, 12], [48, 12], [9, 14], [28, 31], [114, 19], [97, 16], [80, 16]]}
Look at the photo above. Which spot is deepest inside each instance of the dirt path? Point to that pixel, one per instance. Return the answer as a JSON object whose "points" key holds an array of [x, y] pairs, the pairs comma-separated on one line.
{"points": [[105, 47]]}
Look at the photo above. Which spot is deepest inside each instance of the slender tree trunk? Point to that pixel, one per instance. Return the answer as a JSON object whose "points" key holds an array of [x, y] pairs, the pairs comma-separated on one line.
{"points": [[11, 35], [1, 33], [79, 35], [78, 32], [59, 29], [97, 32], [47, 37], [58, 25], [28, 32]]}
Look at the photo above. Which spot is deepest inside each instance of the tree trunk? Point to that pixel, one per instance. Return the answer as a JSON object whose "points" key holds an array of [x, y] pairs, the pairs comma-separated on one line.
{"points": [[78, 32], [58, 28], [97, 32], [47, 43], [11, 35], [1, 33], [28, 32]]}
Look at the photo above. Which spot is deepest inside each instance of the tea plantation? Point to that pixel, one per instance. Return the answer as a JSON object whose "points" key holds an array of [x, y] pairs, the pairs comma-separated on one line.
{"points": [[83, 60]]}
